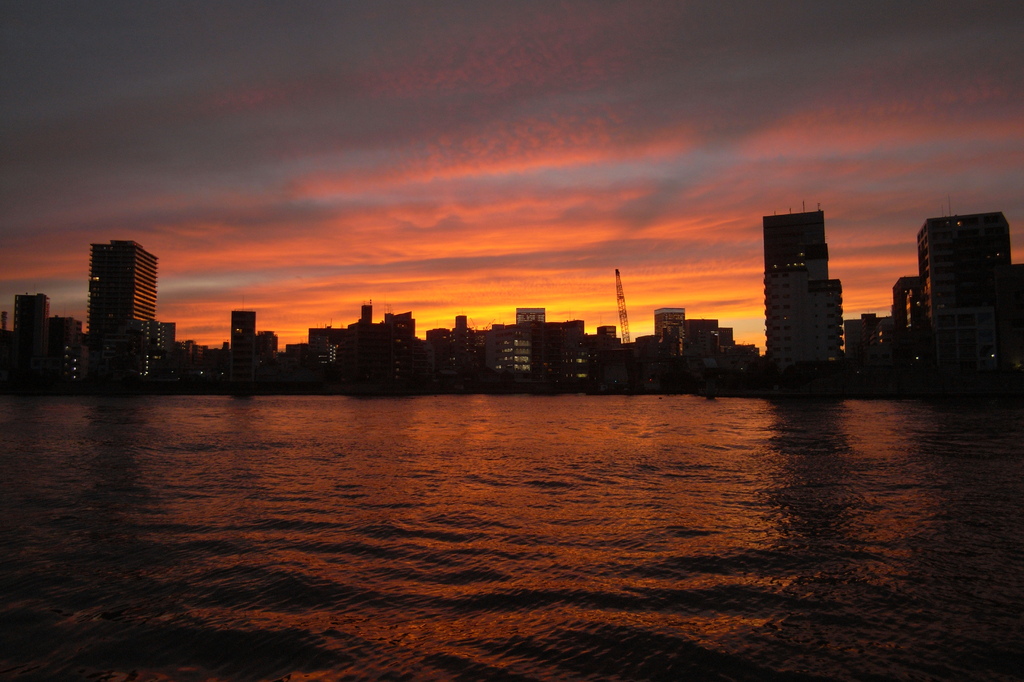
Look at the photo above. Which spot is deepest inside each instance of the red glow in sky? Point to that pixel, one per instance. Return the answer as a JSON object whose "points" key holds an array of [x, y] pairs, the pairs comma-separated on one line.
{"points": [[471, 158]]}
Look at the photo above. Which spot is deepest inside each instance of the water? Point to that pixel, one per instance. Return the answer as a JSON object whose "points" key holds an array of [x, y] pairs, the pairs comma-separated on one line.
{"points": [[510, 537]]}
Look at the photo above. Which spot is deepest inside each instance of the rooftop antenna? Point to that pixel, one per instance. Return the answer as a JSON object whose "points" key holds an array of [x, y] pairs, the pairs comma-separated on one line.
{"points": [[949, 203]]}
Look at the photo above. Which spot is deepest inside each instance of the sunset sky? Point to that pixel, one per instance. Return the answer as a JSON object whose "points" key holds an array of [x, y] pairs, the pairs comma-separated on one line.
{"points": [[301, 158]]}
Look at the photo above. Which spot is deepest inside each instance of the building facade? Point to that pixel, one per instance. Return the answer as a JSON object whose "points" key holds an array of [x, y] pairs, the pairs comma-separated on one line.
{"points": [[31, 330], [803, 307], [243, 345], [669, 328], [524, 315], [957, 261], [122, 287], [70, 357], [911, 333]]}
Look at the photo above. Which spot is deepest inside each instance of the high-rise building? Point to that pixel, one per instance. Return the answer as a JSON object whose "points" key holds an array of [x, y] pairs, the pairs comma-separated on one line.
{"points": [[668, 327], [31, 329], [243, 345], [957, 258], [803, 307], [122, 287]]}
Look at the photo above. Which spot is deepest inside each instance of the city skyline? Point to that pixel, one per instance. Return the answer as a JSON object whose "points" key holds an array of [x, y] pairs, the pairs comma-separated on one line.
{"points": [[470, 161]]}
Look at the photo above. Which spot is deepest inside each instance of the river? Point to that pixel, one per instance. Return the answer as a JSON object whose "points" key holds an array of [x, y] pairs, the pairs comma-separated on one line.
{"points": [[510, 537]]}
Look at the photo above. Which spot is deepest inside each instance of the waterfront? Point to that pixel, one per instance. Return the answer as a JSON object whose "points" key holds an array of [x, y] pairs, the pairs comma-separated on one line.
{"points": [[515, 537]]}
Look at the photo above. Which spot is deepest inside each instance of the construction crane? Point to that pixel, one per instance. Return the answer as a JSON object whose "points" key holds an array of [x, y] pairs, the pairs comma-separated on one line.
{"points": [[623, 320]]}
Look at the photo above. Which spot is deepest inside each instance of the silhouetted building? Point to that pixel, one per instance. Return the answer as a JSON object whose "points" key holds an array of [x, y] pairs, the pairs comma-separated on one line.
{"points": [[530, 315], [911, 332], [31, 330], [668, 327], [122, 287], [386, 353], [604, 338], [62, 332], [70, 357], [408, 356], [554, 353], [365, 353], [6, 347], [159, 335], [467, 347], [735, 356], [325, 344], [266, 347], [803, 307], [565, 359], [243, 345], [1010, 315], [701, 338], [440, 351], [296, 354], [957, 258], [456, 351], [192, 361], [873, 346], [159, 345], [509, 350], [852, 333]]}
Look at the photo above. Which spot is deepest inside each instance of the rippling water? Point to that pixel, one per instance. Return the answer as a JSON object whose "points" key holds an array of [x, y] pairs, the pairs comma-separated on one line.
{"points": [[510, 537]]}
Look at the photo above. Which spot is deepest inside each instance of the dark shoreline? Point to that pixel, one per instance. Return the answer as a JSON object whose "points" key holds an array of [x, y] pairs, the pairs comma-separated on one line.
{"points": [[826, 392]]}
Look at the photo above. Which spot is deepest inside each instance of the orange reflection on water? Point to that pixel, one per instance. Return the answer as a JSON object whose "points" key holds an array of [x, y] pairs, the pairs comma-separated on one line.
{"points": [[516, 530]]}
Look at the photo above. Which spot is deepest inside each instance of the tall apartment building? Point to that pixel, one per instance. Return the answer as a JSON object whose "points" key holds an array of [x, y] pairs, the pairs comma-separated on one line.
{"points": [[243, 345], [957, 257], [31, 330], [122, 287], [803, 307]]}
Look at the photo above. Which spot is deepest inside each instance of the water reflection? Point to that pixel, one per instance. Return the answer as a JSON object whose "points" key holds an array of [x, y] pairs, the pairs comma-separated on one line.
{"points": [[488, 536], [806, 459]]}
